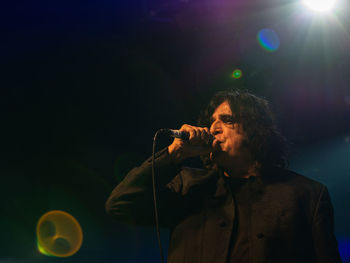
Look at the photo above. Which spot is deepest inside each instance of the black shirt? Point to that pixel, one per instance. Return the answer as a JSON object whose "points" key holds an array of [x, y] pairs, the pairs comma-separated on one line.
{"points": [[239, 246]]}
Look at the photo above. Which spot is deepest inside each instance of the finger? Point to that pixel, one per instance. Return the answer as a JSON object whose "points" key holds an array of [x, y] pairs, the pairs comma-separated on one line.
{"points": [[203, 135], [211, 137], [186, 128], [191, 131], [207, 130], [206, 136], [198, 135]]}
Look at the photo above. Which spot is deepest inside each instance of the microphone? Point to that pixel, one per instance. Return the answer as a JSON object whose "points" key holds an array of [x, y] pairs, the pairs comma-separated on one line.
{"points": [[184, 135], [178, 134]]}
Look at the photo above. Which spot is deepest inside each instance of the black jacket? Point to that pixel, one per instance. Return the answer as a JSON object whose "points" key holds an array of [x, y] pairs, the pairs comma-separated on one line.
{"points": [[291, 216]]}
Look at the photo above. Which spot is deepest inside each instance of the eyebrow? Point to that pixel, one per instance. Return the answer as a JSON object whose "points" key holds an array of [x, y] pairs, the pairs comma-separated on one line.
{"points": [[221, 117]]}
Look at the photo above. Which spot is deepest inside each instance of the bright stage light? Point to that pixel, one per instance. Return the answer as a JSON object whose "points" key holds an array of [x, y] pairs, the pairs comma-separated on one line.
{"points": [[319, 5]]}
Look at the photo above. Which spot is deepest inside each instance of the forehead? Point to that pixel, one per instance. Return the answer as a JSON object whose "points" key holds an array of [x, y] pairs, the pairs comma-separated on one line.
{"points": [[223, 109]]}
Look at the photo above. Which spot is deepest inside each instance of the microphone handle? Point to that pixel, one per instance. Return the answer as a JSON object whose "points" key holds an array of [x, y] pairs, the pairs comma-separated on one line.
{"points": [[184, 135], [179, 134]]}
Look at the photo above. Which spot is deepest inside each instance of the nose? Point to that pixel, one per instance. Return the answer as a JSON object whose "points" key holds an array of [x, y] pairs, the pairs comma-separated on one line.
{"points": [[215, 128]]}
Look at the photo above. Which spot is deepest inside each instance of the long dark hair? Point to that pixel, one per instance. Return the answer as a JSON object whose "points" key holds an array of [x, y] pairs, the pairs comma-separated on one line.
{"points": [[263, 139]]}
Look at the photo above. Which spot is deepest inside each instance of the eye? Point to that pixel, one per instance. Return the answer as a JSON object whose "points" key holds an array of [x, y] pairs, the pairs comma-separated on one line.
{"points": [[227, 119]]}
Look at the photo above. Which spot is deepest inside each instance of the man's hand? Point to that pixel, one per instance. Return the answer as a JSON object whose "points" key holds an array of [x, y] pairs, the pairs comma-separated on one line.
{"points": [[197, 144]]}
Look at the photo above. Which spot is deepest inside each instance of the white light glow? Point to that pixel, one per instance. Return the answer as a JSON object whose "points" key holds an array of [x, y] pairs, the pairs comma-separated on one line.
{"points": [[319, 5]]}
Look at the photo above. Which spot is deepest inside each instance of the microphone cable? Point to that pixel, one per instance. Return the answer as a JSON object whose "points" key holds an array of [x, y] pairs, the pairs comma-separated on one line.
{"points": [[155, 204]]}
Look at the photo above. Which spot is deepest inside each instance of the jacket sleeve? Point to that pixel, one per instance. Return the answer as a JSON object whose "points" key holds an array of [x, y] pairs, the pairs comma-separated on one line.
{"points": [[325, 243], [131, 201]]}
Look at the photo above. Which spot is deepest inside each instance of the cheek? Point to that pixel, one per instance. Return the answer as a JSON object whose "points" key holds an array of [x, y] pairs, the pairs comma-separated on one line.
{"points": [[234, 144]]}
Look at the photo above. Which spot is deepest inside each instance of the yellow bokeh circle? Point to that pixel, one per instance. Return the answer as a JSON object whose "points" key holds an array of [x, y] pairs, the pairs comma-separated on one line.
{"points": [[59, 234]]}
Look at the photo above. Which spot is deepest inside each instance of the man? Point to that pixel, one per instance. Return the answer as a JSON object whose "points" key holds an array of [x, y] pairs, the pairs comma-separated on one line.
{"points": [[243, 206]]}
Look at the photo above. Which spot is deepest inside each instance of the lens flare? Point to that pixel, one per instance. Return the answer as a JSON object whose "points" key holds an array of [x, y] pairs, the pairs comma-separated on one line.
{"points": [[237, 74], [268, 39], [58, 234], [43, 251]]}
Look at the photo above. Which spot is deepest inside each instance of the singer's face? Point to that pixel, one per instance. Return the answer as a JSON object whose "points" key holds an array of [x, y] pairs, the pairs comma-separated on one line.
{"points": [[229, 137]]}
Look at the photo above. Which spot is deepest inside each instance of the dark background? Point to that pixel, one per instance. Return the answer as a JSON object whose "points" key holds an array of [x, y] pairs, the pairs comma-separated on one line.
{"points": [[86, 84]]}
